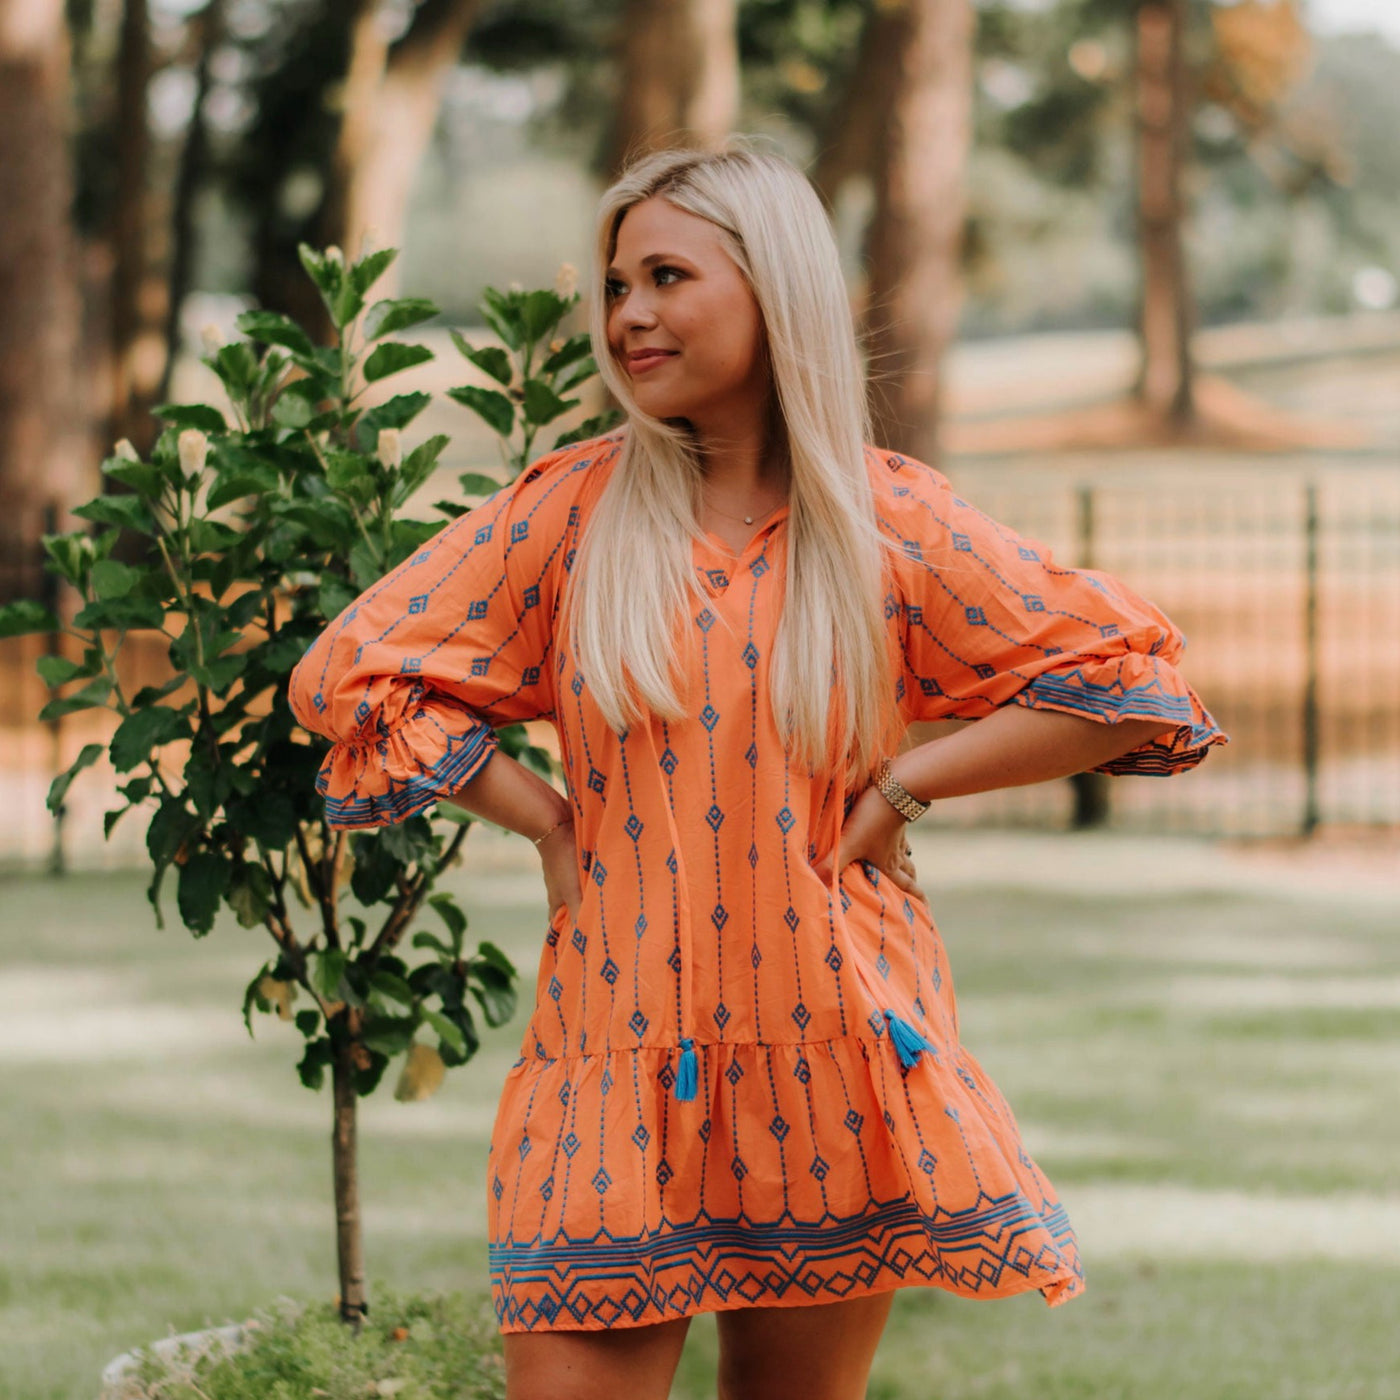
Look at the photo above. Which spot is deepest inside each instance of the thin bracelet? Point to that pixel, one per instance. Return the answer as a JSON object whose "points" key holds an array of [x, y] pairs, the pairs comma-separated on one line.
{"points": [[555, 827]]}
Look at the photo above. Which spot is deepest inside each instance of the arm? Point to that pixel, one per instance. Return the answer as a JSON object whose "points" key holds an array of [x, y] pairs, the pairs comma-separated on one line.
{"points": [[1014, 746]]}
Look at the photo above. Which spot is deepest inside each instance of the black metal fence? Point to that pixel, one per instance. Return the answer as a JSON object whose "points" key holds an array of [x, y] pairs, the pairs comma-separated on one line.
{"points": [[1284, 574]]}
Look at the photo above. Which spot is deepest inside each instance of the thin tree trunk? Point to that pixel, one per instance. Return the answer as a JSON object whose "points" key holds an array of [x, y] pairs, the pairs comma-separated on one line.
{"points": [[193, 157], [916, 233], [403, 114], [1166, 313], [849, 142], [130, 396], [678, 78], [349, 1235], [44, 446]]}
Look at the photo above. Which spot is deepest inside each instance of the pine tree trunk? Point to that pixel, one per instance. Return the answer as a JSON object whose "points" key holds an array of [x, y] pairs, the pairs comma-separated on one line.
{"points": [[403, 114], [349, 1234], [678, 76], [1166, 313], [916, 234], [44, 442]]}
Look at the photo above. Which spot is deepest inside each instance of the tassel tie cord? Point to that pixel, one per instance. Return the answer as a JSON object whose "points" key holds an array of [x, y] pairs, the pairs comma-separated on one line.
{"points": [[907, 1040]]}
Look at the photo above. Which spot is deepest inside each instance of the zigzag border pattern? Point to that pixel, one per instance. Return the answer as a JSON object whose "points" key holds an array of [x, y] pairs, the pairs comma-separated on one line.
{"points": [[709, 1261]]}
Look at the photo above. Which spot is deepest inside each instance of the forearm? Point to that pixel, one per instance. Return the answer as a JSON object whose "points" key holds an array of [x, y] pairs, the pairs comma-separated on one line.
{"points": [[510, 795], [1014, 746]]}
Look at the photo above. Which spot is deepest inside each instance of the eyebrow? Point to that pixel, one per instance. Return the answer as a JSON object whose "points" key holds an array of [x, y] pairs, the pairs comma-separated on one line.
{"points": [[652, 258]]}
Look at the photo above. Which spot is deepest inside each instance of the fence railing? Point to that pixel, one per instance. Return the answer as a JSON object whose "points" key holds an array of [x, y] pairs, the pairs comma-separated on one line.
{"points": [[1283, 573]]}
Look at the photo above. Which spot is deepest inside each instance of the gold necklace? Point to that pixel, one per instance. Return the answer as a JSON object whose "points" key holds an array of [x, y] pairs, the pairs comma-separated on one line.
{"points": [[748, 519]]}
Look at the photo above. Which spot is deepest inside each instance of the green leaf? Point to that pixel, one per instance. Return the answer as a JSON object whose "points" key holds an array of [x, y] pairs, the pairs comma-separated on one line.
{"points": [[501, 312], [58, 789], [448, 911], [308, 1022], [478, 484], [250, 894], [272, 328], [490, 359], [333, 596], [312, 1069], [70, 555], [58, 670], [113, 579], [389, 1035], [575, 348], [496, 409], [351, 475], [424, 939], [129, 512], [590, 428], [327, 970], [397, 412], [121, 614], [203, 879], [385, 317], [143, 478], [395, 988], [323, 272], [449, 1031], [366, 271], [542, 405], [454, 510], [540, 312], [391, 357], [89, 697], [142, 731], [418, 466], [25, 617], [292, 411], [192, 415], [365, 564], [171, 824]]}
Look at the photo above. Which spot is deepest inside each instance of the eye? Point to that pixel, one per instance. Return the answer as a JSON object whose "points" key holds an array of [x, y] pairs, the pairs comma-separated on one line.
{"points": [[665, 267]]}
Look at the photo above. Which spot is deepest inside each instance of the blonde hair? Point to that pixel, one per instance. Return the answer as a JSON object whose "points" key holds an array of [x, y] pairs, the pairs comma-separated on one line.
{"points": [[831, 677]]}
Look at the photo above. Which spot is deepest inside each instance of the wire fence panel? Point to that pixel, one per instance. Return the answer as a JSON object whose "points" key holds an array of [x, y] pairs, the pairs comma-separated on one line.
{"points": [[1284, 576]]}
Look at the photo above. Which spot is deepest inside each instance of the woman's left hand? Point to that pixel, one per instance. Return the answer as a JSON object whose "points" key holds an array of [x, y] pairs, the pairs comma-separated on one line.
{"points": [[876, 833]]}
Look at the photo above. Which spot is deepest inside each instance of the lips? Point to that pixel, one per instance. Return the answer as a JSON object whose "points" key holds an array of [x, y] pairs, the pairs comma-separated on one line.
{"points": [[640, 359]]}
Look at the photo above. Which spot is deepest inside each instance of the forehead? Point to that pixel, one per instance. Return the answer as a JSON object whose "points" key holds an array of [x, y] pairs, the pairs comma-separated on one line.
{"points": [[657, 226]]}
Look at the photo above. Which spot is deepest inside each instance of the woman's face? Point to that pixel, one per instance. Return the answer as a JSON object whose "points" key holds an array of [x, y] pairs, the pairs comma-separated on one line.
{"points": [[673, 288]]}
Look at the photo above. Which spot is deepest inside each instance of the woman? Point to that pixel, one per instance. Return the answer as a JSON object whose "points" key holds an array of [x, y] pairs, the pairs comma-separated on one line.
{"points": [[741, 1089]]}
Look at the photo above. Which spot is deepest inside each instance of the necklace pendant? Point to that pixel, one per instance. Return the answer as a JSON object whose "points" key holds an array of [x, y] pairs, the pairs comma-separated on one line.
{"points": [[748, 520]]}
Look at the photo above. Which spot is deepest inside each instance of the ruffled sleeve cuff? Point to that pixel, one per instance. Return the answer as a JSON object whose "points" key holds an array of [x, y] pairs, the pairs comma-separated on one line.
{"points": [[414, 752], [1132, 686]]}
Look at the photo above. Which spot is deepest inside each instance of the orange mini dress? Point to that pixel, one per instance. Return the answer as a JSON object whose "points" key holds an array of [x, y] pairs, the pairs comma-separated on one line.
{"points": [[740, 1084]]}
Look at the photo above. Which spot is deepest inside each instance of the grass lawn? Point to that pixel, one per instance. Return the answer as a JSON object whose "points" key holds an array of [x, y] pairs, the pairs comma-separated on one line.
{"points": [[1205, 1066]]}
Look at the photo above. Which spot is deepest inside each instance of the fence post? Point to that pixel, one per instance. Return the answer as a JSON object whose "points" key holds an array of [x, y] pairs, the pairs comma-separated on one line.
{"points": [[1091, 807], [1311, 814]]}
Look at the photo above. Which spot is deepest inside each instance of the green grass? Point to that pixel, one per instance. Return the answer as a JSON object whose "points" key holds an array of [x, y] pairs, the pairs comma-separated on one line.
{"points": [[1208, 1077]]}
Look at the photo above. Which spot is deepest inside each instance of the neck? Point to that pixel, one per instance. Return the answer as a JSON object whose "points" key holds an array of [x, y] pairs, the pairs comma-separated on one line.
{"points": [[743, 459]]}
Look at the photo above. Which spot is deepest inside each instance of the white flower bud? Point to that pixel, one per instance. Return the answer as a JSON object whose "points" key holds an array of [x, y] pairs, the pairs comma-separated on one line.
{"points": [[389, 448], [126, 451], [194, 449], [514, 287], [333, 254], [566, 280], [212, 338]]}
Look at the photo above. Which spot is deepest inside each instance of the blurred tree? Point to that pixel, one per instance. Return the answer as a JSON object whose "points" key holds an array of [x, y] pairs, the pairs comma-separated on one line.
{"points": [[1166, 309], [915, 237], [678, 76], [41, 411]]}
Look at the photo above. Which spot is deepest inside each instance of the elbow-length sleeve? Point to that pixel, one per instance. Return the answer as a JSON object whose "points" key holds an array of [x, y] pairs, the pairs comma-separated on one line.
{"points": [[410, 681], [989, 618]]}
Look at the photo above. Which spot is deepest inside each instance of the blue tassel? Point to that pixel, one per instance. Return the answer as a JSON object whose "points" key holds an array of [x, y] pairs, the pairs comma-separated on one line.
{"points": [[908, 1041], [687, 1075]]}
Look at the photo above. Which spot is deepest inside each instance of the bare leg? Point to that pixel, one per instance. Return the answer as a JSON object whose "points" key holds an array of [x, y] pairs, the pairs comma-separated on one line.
{"points": [[621, 1363], [820, 1352]]}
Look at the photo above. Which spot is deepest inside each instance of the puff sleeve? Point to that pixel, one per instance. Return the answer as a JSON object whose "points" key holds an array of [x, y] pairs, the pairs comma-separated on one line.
{"points": [[410, 681], [989, 617]]}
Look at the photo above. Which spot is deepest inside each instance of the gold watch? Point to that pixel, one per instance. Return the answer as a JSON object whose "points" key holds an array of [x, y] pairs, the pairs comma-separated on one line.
{"points": [[900, 798]]}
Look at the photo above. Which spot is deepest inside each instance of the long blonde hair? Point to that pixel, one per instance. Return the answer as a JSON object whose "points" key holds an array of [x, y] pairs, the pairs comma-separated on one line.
{"points": [[831, 685]]}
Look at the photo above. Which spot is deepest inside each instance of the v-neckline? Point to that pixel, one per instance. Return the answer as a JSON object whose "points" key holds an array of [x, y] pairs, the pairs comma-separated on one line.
{"points": [[717, 546]]}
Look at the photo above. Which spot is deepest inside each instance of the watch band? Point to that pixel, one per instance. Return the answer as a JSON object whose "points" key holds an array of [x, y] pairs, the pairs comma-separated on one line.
{"points": [[900, 798]]}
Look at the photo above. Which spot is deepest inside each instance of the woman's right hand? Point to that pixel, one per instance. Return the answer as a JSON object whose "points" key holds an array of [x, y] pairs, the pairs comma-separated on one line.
{"points": [[559, 858]]}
